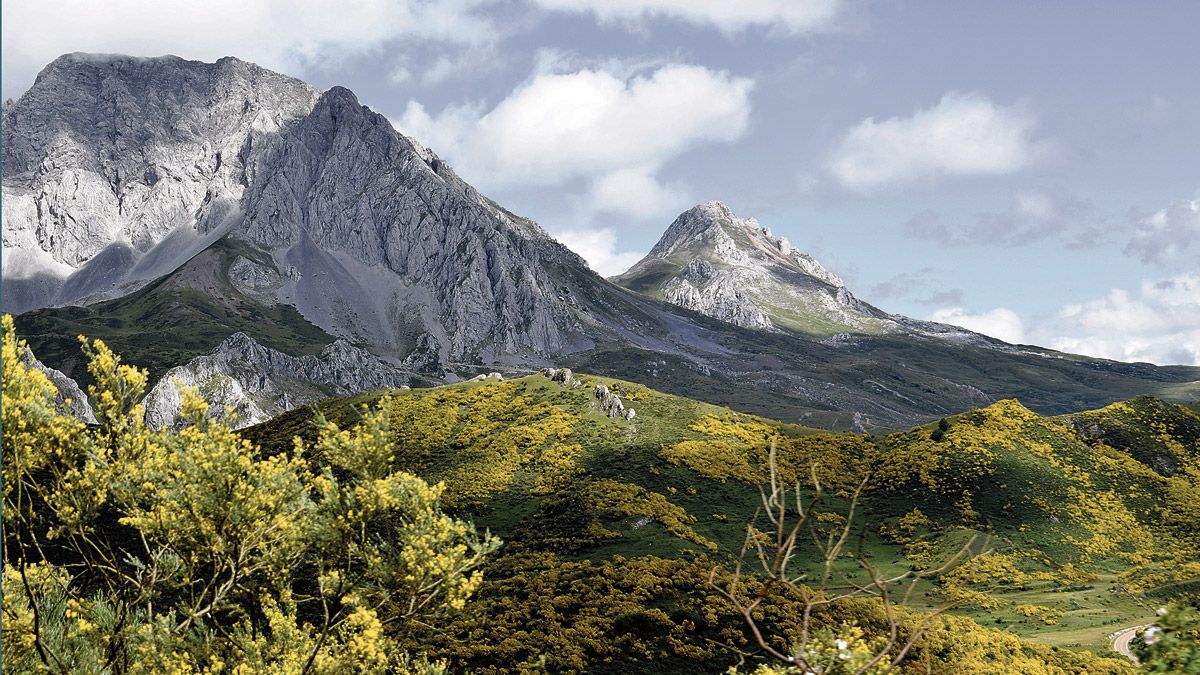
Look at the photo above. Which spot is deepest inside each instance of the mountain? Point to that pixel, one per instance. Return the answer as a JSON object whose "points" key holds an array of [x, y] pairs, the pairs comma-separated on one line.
{"points": [[733, 269], [119, 170], [164, 205]]}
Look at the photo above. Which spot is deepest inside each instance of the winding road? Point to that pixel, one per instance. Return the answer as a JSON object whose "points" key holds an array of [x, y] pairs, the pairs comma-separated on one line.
{"points": [[1121, 638]]}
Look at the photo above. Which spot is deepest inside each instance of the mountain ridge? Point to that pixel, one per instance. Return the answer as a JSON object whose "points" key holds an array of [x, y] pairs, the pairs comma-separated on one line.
{"points": [[316, 220]]}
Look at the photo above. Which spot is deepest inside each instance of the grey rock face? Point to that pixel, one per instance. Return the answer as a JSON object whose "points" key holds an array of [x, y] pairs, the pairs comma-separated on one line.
{"points": [[253, 278], [364, 212], [138, 159], [719, 296], [117, 170], [257, 382], [733, 269], [69, 399]]}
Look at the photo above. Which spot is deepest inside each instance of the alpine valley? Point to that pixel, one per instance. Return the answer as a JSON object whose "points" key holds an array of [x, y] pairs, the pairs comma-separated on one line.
{"points": [[304, 267]]}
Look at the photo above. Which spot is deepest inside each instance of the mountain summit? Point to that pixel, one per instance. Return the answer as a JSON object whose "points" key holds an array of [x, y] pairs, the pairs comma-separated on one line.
{"points": [[711, 261]]}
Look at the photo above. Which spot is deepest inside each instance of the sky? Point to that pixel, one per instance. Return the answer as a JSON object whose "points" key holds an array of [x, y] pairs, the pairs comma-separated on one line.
{"points": [[1029, 170]]}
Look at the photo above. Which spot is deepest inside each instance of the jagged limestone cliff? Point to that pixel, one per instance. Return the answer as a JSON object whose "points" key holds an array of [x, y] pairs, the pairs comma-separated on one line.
{"points": [[248, 383], [118, 170]]}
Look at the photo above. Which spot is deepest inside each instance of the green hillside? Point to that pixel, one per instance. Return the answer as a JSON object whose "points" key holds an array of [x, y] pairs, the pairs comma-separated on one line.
{"points": [[172, 320], [1091, 518]]}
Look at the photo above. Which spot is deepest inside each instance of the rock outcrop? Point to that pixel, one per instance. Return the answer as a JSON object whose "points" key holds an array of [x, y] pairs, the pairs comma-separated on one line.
{"points": [[254, 382], [563, 376], [69, 399], [611, 404]]}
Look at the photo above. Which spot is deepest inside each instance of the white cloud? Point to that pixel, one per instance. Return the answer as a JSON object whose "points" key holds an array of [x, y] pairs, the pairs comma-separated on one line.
{"points": [[638, 193], [613, 130], [599, 249], [1158, 322], [792, 16], [1164, 236], [964, 134], [1001, 323], [286, 35]]}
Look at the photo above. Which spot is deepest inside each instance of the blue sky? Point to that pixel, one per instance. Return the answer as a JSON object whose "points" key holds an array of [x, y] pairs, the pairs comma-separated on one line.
{"points": [[1026, 169]]}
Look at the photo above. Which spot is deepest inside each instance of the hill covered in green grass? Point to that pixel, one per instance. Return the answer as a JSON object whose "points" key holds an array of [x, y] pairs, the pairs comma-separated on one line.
{"points": [[1085, 522]]}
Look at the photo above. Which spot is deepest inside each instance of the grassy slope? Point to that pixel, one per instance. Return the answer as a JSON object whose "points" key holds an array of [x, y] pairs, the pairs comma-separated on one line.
{"points": [[172, 320], [1032, 500]]}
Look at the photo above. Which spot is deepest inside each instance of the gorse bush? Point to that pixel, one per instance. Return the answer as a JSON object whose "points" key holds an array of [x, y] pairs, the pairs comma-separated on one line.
{"points": [[129, 550]]}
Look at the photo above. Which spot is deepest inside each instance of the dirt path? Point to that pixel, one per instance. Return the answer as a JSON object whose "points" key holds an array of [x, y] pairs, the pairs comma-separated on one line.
{"points": [[1121, 638]]}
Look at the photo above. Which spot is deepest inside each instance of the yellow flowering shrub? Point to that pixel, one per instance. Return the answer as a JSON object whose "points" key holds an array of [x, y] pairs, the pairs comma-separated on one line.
{"points": [[142, 551]]}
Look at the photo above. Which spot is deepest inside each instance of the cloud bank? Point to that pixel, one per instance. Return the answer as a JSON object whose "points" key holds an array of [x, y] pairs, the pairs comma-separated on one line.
{"points": [[284, 35], [612, 130], [964, 134], [1157, 322], [790, 16]]}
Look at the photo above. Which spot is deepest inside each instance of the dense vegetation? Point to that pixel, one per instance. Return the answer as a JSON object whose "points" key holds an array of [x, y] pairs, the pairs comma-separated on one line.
{"points": [[130, 550], [338, 539]]}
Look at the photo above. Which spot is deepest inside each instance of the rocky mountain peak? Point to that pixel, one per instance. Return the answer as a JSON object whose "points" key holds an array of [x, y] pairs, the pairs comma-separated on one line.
{"points": [[108, 158], [712, 261], [711, 230]]}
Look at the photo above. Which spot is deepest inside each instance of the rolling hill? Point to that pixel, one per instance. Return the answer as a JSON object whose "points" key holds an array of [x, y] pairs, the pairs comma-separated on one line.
{"points": [[1088, 517]]}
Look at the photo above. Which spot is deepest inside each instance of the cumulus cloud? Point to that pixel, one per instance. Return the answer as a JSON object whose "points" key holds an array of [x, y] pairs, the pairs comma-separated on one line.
{"points": [[444, 64], [1030, 216], [614, 130], [599, 249], [638, 193], [287, 35], [964, 134], [790, 16], [1158, 322], [1167, 235], [1001, 323]]}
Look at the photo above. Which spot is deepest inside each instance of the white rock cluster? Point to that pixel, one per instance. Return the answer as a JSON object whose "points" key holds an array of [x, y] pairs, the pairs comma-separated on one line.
{"points": [[255, 383], [612, 405]]}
